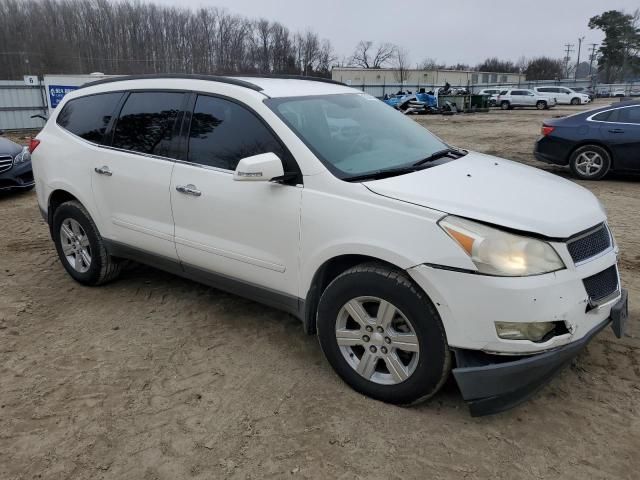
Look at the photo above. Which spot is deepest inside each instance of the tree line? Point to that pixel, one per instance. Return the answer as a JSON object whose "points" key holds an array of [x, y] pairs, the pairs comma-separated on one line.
{"points": [[130, 37]]}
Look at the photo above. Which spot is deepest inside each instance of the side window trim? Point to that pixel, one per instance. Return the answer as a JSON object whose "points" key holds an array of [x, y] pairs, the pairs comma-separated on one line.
{"points": [[183, 153], [108, 135]]}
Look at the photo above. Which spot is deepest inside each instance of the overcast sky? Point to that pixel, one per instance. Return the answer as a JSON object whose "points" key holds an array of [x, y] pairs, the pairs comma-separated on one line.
{"points": [[451, 31]]}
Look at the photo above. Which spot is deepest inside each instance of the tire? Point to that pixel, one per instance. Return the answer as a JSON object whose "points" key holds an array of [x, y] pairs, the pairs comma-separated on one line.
{"points": [[505, 105], [575, 101], [101, 267], [425, 359], [599, 158], [541, 105]]}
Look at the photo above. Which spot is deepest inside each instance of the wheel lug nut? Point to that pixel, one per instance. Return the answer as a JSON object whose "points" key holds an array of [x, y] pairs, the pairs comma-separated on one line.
{"points": [[368, 328], [380, 329], [383, 350], [387, 340], [365, 338], [372, 349]]}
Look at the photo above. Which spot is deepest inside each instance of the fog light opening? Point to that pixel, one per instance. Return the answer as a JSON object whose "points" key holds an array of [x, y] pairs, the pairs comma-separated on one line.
{"points": [[537, 332]]}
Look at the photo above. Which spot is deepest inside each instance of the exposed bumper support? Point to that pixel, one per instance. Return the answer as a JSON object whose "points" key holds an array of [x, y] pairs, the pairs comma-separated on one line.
{"points": [[494, 383]]}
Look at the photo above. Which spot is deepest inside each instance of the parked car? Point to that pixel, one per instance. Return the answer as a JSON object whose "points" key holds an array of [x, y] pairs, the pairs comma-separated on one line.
{"points": [[635, 92], [586, 91], [619, 92], [405, 254], [563, 95], [15, 167], [524, 98], [594, 142], [493, 94]]}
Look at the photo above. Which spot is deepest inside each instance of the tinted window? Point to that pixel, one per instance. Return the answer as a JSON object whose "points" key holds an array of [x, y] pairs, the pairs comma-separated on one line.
{"points": [[88, 117], [629, 115], [223, 132], [146, 122], [518, 92], [545, 89], [604, 116]]}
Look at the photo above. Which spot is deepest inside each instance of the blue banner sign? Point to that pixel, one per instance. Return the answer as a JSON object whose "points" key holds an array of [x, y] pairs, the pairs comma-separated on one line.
{"points": [[57, 92]]}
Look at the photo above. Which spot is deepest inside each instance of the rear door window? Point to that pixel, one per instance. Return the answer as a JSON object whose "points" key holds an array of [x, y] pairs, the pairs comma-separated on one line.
{"points": [[88, 117], [147, 122]]}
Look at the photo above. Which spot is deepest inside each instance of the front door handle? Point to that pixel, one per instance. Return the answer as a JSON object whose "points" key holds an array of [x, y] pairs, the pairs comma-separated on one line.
{"points": [[189, 189], [104, 170], [616, 130]]}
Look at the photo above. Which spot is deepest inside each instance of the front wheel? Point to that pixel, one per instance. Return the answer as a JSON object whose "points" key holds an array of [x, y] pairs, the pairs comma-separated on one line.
{"points": [[575, 101], [382, 335], [590, 162], [541, 105], [505, 106]]}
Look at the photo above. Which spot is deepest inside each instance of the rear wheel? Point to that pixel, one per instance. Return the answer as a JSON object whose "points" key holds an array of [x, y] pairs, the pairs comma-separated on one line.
{"points": [[80, 246], [382, 335], [541, 105], [575, 101], [590, 162]]}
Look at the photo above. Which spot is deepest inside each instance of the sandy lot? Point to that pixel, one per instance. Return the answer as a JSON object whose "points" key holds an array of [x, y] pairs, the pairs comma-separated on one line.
{"points": [[155, 377]]}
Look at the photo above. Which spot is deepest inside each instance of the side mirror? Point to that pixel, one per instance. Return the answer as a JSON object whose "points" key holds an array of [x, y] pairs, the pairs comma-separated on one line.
{"points": [[259, 168]]}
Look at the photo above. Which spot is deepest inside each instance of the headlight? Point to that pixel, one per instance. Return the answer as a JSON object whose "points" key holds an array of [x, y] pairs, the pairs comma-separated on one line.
{"points": [[23, 157], [495, 252]]}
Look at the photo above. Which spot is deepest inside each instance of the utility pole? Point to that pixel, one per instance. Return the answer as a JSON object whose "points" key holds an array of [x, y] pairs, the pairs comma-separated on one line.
{"points": [[567, 58], [575, 74], [592, 56]]}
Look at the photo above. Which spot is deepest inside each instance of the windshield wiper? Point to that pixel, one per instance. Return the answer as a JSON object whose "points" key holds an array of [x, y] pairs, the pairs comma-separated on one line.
{"points": [[440, 154], [384, 173]]}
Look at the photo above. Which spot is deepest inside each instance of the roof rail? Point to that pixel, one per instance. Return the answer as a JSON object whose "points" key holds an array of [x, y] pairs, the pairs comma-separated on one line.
{"points": [[211, 78], [287, 77]]}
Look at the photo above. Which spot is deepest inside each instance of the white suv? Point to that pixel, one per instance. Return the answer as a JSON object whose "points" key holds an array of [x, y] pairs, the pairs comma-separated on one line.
{"points": [[563, 95], [405, 255], [518, 97]]}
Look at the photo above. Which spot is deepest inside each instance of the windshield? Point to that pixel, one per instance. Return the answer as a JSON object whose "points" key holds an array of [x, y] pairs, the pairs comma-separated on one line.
{"points": [[356, 134]]}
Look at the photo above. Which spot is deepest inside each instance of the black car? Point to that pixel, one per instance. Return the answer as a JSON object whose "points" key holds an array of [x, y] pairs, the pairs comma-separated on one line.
{"points": [[15, 167], [594, 142]]}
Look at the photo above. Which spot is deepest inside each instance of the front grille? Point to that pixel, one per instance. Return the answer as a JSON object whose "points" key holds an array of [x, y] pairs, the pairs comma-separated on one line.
{"points": [[6, 163], [602, 284], [590, 244]]}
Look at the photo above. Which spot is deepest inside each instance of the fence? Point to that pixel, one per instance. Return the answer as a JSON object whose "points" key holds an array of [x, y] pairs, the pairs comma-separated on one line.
{"points": [[18, 102]]}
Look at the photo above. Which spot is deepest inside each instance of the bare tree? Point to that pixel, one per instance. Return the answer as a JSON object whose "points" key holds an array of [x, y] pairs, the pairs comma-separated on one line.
{"points": [[129, 36], [401, 64], [431, 64], [367, 56]]}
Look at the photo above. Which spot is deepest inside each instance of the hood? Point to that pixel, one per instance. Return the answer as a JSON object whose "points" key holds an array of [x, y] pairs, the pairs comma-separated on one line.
{"points": [[500, 192], [7, 147]]}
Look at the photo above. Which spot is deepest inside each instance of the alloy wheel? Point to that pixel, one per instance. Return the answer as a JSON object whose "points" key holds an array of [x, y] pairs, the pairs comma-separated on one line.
{"points": [[377, 340], [75, 245], [589, 163]]}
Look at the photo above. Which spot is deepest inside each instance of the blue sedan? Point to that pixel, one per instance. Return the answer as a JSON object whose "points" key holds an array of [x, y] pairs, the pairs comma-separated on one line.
{"points": [[594, 142]]}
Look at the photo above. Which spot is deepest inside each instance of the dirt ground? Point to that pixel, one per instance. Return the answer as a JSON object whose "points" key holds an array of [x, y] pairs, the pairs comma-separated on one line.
{"points": [[155, 377]]}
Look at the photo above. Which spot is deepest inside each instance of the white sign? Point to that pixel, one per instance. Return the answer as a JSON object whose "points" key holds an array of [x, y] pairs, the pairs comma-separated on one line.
{"points": [[31, 80]]}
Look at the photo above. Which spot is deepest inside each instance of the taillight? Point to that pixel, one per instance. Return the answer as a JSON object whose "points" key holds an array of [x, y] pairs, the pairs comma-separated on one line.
{"points": [[546, 130], [33, 144]]}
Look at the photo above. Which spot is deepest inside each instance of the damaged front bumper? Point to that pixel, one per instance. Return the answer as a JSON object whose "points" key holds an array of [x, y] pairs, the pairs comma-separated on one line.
{"points": [[494, 383]]}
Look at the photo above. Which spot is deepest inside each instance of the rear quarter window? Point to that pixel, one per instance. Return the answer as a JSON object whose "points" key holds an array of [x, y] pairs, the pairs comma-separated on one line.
{"points": [[88, 117]]}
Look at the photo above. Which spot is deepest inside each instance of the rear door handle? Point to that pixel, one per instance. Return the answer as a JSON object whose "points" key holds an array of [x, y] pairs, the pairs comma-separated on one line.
{"points": [[616, 130], [104, 170], [189, 189]]}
